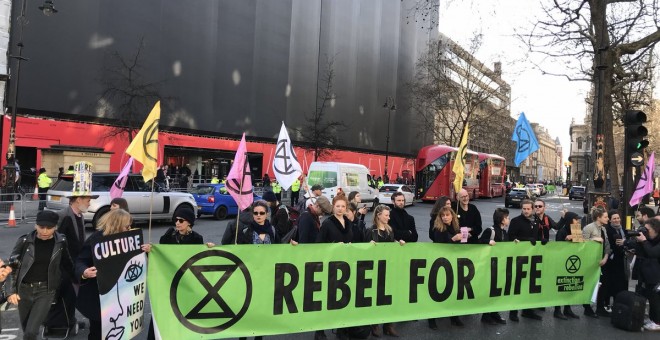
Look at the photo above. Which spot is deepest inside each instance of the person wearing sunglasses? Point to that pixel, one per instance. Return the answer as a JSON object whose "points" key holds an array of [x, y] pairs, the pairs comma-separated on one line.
{"points": [[544, 221], [182, 232], [259, 230]]}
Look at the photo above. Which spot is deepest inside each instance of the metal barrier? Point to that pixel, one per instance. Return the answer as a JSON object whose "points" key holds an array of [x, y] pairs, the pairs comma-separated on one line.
{"points": [[25, 207]]}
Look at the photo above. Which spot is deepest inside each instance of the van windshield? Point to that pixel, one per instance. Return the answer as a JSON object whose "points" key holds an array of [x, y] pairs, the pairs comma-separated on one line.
{"points": [[328, 179]]}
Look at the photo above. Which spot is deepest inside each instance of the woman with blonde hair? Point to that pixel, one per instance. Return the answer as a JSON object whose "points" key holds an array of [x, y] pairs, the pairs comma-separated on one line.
{"points": [[446, 230], [113, 222], [381, 231]]}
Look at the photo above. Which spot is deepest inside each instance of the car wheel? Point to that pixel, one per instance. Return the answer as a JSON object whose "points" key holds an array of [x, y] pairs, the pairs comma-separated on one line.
{"points": [[98, 215], [220, 213], [199, 214]]}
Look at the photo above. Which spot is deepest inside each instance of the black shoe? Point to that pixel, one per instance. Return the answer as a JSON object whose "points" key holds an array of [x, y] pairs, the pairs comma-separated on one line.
{"points": [[497, 318], [590, 312], [320, 335], [433, 325], [513, 317], [568, 312], [485, 318], [603, 312], [541, 309], [531, 315], [559, 315], [455, 321]]}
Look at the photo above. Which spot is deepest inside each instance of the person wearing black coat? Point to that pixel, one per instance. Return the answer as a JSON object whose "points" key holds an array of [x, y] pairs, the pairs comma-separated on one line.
{"points": [[564, 234], [259, 230], [446, 230], [492, 235], [647, 249], [468, 216], [439, 203], [244, 218], [524, 228], [89, 305], [402, 223], [615, 276], [359, 227], [544, 221]]}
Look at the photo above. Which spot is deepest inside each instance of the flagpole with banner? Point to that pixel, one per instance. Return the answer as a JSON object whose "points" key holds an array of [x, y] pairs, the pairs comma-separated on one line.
{"points": [[239, 181], [459, 161], [144, 149], [285, 163], [524, 136], [118, 186], [645, 184]]}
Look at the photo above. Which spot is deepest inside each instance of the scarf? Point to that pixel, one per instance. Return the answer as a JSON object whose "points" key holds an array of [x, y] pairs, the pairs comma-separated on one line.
{"points": [[263, 229]]}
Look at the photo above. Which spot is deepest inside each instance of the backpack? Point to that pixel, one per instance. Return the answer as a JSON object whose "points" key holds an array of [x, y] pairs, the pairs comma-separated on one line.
{"points": [[492, 234]]}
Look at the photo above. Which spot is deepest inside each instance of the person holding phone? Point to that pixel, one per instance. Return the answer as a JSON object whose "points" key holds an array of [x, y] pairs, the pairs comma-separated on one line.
{"points": [[354, 197]]}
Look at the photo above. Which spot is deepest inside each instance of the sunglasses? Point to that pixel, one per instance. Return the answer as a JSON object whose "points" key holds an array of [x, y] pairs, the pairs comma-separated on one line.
{"points": [[180, 220], [538, 206], [255, 213]]}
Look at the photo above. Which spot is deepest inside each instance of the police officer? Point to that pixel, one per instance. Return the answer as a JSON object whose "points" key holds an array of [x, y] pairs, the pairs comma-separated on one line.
{"points": [[43, 182], [295, 192], [277, 190], [215, 180]]}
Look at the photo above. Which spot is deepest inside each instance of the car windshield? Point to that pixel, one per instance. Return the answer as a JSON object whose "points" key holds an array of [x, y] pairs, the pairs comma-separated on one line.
{"points": [[520, 190], [578, 188], [388, 188], [202, 190]]}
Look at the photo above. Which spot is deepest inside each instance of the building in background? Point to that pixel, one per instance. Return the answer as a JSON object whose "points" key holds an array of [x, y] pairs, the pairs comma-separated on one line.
{"points": [[223, 68], [580, 152], [542, 165]]}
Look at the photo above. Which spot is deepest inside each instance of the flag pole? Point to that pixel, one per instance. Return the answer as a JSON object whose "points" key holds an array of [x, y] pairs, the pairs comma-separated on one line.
{"points": [[151, 207], [240, 190]]}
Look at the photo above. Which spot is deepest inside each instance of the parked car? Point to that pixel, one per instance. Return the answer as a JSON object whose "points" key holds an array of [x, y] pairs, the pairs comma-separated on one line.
{"points": [[385, 193], [137, 193], [542, 189], [213, 199], [576, 192], [516, 196], [534, 189]]}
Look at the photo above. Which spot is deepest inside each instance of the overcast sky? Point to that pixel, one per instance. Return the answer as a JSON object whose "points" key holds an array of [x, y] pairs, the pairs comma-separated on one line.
{"points": [[548, 100]]}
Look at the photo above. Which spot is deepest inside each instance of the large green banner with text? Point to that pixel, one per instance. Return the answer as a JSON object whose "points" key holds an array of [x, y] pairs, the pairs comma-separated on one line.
{"points": [[245, 290]]}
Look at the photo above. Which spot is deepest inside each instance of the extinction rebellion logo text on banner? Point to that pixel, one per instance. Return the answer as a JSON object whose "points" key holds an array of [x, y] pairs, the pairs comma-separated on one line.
{"points": [[246, 290]]}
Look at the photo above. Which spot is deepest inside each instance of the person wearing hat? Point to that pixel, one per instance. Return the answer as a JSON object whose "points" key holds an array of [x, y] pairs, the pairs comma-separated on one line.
{"points": [[564, 234], [40, 260], [182, 232], [43, 182], [72, 225]]}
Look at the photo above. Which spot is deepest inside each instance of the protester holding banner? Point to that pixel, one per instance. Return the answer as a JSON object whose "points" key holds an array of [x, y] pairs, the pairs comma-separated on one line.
{"points": [[439, 203], [564, 234], [115, 221], [39, 259], [337, 227], [491, 236], [182, 232], [544, 221], [402, 223], [617, 265], [524, 228], [358, 226], [259, 230], [446, 230], [309, 221]]}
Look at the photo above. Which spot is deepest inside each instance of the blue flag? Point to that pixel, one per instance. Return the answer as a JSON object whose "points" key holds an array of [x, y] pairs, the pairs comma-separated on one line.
{"points": [[524, 136]]}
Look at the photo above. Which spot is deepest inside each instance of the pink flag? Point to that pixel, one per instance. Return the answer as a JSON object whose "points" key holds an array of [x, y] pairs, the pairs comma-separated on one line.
{"points": [[239, 180], [120, 183], [645, 183]]}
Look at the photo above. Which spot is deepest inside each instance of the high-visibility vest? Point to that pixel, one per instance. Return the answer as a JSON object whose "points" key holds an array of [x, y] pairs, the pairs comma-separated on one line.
{"points": [[44, 181], [215, 180], [277, 188], [380, 183], [295, 186]]}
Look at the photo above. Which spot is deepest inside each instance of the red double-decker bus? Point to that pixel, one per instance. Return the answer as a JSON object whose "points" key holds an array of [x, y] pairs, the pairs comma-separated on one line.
{"points": [[492, 171], [435, 176]]}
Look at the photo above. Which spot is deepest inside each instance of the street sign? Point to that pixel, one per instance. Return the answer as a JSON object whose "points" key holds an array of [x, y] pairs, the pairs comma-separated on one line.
{"points": [[637, 159]]}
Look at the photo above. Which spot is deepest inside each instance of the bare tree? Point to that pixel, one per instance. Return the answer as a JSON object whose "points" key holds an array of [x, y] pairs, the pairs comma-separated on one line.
{"points": [[585, 39], [319, 134], [127, 97], [453, 88], [425, 11]]}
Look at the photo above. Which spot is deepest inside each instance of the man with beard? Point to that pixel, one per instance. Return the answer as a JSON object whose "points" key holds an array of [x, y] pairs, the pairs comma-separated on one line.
{"points": [[524, 228], [402, 223]]}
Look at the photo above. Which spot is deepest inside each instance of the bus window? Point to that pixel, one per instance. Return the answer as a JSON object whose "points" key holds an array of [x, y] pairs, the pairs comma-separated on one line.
{"points": [[431, 172]]}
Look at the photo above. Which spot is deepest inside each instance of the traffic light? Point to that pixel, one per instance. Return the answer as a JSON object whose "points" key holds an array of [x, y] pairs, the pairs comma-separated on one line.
{"points": [[635, 135]]}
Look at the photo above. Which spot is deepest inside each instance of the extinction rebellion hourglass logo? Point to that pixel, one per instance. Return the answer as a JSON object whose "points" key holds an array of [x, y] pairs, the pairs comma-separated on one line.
{"points": [[215, 273], [571, 283]]}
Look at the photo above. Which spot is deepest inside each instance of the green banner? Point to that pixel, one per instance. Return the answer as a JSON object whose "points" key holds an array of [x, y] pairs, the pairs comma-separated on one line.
{"points": [[246, 290]]}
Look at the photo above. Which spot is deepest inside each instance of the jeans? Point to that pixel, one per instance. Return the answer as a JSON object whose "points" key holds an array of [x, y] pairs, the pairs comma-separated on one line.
{"points": [[33, 307]]}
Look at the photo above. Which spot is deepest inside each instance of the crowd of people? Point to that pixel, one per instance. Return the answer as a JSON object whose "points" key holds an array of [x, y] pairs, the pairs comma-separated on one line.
{"points": [[53, 273]]}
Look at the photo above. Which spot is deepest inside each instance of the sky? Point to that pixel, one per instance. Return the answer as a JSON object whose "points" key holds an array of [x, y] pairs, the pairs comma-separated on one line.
{"points": [[548, 100]]}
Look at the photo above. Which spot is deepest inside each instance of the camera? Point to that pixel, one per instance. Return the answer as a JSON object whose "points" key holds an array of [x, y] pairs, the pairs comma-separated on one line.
{"points": [[635, 233]]}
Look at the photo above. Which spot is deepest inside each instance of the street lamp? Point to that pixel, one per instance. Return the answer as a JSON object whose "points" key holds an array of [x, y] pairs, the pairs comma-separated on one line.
{"points": [[390, 106], [48, 8]]}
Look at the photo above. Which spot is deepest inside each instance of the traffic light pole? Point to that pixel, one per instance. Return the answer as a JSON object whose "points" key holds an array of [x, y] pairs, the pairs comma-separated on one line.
{"points": [[635, 143]]}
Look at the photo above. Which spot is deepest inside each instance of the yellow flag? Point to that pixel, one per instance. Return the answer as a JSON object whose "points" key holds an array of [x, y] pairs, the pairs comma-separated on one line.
{"points": [[459, 162], [144, 147]]}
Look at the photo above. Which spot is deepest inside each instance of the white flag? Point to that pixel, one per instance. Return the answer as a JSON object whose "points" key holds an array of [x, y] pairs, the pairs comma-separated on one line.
{"points": [[285, 164]]}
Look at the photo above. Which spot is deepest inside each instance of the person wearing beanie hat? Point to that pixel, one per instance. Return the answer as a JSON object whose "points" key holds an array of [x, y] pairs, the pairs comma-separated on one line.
{"points": [[324, 204], [182, 233], [269, 197], [564, 234]]}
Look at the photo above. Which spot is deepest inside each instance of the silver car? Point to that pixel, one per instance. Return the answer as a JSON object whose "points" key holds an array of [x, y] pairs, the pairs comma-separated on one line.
{"points": [[137, 193]]}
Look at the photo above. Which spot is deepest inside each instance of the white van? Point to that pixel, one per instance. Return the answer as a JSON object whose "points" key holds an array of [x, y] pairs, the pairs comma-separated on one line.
{"points": [[347, 176]]}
